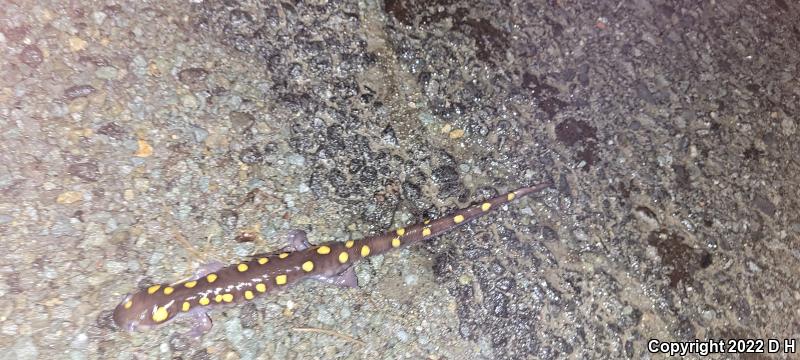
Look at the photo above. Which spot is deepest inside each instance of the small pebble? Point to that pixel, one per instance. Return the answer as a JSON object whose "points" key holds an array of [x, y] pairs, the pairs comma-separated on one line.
{"points": [[233, 330], [410, 279], [61, 227], [106, 73], [402, 335], [9, 328], [144, 149], [112, 130], [324, 316], [77, 355], [753, 266], [88, 171], [200, 134], [80, 341], [153, 70], [457, 133], [25, 349], [99, 17], [788, 126], [303, 188], [77, 105], [115, 267], [296, 159], [192, 75], [189, 101], [288, 199], [244, 249], [79, 91], [50, 273], [156, 258], [77, 44], [69, 197], [31, 56], [426, 118], [344, 313], [627, 310]]}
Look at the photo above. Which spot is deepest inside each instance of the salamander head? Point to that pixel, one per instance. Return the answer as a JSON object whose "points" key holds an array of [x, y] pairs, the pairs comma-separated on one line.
{"points": [[141, 311]]}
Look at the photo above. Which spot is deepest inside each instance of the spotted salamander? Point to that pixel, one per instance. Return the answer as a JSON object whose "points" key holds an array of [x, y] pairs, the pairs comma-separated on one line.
{"points": [[331, 262]]}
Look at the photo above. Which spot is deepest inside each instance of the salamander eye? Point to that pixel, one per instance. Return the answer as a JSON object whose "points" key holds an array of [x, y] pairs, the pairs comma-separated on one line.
{"points": [[126, 301]]}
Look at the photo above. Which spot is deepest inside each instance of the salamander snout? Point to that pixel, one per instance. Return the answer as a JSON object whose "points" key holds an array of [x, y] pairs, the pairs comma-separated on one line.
{"points": [[132, 313]]}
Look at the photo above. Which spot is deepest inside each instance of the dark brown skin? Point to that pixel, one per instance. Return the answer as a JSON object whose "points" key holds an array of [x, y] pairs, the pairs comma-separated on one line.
{"points": [[332, 262]]}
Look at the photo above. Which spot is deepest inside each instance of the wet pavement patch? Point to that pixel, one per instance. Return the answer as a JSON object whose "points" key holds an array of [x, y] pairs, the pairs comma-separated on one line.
{"points": [[682, 260]]}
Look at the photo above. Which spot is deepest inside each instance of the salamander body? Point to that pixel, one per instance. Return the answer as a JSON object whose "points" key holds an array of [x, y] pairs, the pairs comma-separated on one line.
{"points": [[331, 262]]}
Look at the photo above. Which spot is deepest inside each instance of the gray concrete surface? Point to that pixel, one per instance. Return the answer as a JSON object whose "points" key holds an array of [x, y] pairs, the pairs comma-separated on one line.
{"points": [[142, 140]]}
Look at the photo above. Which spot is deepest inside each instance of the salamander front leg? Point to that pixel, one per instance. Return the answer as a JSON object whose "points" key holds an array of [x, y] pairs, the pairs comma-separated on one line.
{"points": [[200, 321], [202, 271], [346, 278], [297, 240], [206, 269]]}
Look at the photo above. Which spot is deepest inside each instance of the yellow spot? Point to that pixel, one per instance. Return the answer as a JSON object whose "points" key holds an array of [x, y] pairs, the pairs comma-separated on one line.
{"points": [[211, 278], [426, 231], [227, 297], [308, 266], [241, 267], [152, 290], [343, 256], [283, 255], [401, 231], [128, 304], [204, 301], [190, 284], [218, 298], [280, 279], [511, 196], [263, 261], [160, 314], [426, 221], [364, 251], [186, 306], [458, 219], [349, 243], [323, 250], [261, 287], [486, 206], [168, 290], [396, 242], [248, 295]]}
